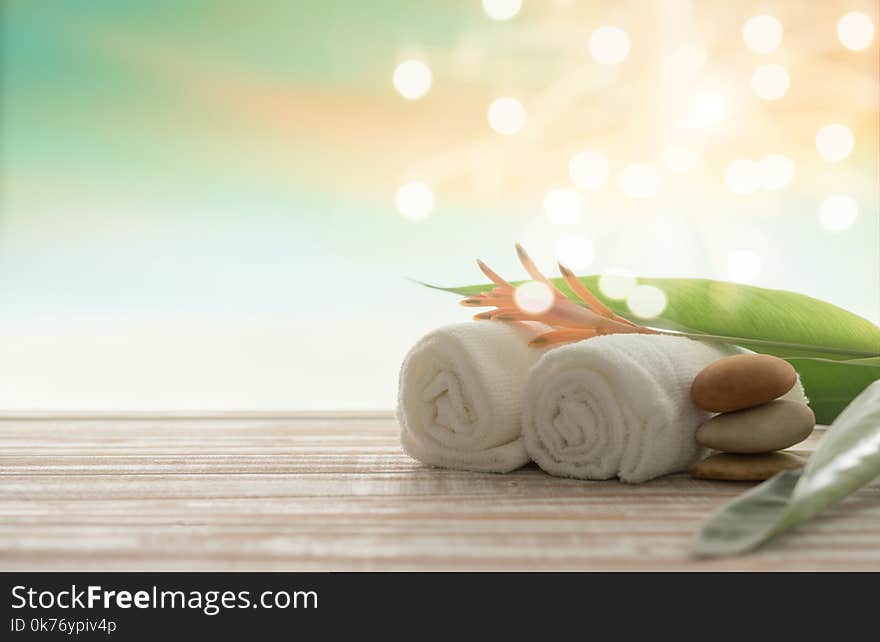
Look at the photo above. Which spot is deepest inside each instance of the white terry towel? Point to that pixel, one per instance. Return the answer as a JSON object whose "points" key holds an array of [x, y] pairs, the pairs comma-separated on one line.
{"points": [[460, 395], [619, 406]]}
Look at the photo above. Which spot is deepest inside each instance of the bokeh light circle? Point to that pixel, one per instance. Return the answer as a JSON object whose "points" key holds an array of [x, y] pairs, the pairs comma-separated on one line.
{"points": [[616, 283], [835, 142], [609, 45], [533, 297], [412, 79], [838, 212], [415, 200], [502, 9], [706, 109], [855, 31], [646, 301], [770, 82], [506, 116], [762, 34]]}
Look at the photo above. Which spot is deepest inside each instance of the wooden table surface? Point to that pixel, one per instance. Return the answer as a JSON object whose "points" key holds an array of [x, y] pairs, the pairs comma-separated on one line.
{"points": [[320, 492]]}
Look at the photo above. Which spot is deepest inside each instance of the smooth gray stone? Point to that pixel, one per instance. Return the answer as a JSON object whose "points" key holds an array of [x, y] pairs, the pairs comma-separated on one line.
{"points": [[765, 428]]}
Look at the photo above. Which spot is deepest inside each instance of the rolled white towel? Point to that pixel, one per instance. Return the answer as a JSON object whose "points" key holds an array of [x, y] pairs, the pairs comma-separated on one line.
{"points": [[619, 406], [460, 395]]}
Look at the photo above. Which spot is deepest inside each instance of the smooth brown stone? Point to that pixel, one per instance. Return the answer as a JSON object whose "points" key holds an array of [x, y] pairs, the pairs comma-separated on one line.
{"points": [[742, 381], [762, 429], [735, 467]]}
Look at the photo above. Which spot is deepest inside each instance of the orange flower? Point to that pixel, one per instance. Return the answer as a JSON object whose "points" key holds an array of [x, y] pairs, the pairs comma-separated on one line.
{"points": [[570, 320]]}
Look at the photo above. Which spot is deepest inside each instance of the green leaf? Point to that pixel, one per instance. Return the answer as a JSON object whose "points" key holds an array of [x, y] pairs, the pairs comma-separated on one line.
{"points": [[831, 385], [847, 458], [745, 312]]}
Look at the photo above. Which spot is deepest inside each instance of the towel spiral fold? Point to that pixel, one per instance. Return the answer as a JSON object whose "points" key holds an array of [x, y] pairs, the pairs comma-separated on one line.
{"points": [[617, 406], [460, 394]]}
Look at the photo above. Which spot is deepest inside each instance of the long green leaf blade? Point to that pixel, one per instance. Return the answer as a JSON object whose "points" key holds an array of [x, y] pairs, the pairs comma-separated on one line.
{"points": [[847, 458], [748, 520], [737, 310], [812, 334]]}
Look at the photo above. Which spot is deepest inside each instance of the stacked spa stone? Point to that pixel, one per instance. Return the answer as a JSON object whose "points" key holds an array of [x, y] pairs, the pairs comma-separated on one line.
{"points": [[753, 424]]}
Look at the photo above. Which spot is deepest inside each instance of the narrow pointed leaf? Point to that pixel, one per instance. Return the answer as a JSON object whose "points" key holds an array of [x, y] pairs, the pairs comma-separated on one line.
{"points": [[749, 520]]}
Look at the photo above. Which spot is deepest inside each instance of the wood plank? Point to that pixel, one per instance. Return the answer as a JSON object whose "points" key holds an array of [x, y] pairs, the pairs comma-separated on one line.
{"points": [[318, 492]]}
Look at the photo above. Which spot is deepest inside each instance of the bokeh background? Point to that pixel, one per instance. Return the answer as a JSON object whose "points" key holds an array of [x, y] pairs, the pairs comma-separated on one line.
{"points": [[217, 204]]}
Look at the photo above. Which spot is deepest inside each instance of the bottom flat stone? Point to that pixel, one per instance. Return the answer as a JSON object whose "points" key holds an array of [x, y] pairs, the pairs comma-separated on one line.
{"points": [[737, 467]]}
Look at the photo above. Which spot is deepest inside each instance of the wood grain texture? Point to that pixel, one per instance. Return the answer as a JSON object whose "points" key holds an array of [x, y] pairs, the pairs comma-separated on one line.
{"points": [[321, 492]]}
